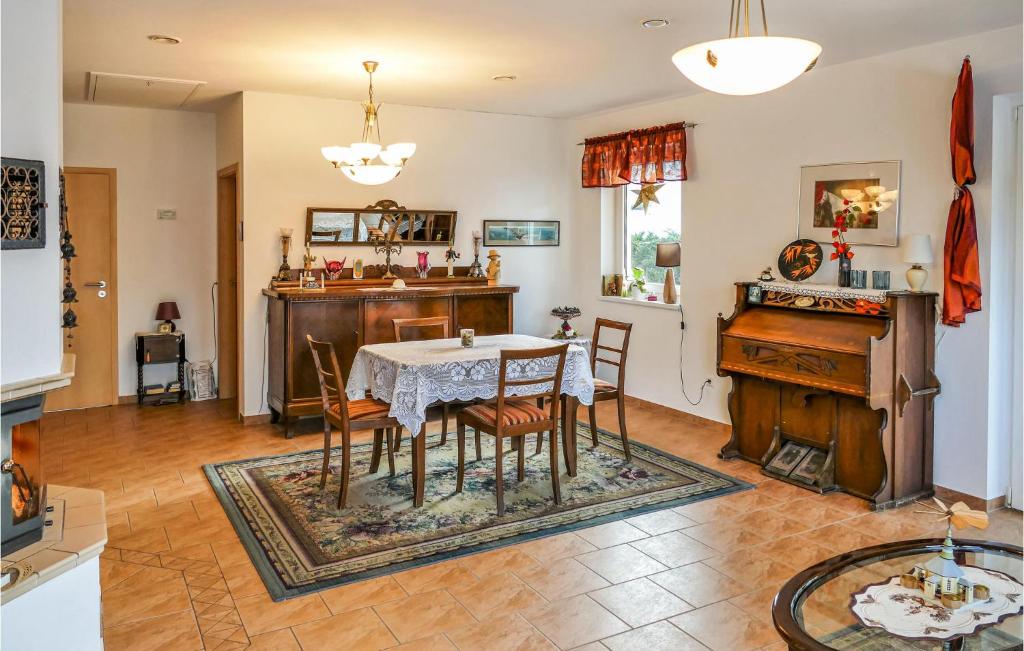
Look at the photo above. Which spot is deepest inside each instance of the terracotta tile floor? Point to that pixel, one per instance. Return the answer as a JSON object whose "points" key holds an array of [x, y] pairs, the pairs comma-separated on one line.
{"points": [[702, 576]]}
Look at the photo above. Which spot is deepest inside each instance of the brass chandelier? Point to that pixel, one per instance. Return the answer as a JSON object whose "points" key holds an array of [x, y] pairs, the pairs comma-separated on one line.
{"points": [[366, 161]]}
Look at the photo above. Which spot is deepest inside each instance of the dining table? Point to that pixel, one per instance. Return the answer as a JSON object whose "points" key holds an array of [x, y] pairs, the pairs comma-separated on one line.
{"points": [[412, 376]]}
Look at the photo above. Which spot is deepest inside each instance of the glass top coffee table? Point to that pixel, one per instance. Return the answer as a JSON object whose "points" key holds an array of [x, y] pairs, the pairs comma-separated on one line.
{"points": [[813, 610]]}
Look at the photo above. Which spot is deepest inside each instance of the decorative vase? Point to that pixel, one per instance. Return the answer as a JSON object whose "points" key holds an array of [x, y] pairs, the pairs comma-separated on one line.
{"points": [[845, 265], [422, 266], [635, 293]]}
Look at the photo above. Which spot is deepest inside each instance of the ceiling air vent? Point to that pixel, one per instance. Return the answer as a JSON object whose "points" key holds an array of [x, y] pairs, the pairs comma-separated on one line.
{"points": [[132, 90]]}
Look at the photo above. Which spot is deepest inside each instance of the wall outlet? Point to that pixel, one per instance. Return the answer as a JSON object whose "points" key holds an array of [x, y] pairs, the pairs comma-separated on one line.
{"points": [[166, 213]]}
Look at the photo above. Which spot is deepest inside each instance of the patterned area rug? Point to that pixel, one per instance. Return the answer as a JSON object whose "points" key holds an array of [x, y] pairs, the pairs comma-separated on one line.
{"points": [[300, 543]]}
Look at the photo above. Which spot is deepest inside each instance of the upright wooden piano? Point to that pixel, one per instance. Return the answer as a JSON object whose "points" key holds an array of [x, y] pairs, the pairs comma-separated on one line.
{"points": [[350, 313], [835, 383]]}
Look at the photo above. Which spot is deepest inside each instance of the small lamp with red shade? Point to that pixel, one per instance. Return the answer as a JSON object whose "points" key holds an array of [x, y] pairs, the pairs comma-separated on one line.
{"points": [[167, 312]]}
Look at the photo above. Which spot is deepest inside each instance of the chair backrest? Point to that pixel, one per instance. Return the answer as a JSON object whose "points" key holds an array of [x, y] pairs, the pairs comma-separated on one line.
{"points": [[420, 325], [619, 353], [521, 356], [332, 385]]}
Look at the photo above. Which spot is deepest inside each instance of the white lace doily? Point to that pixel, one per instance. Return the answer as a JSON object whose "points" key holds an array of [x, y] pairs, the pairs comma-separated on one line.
{"points": [[413, 375], [827, 291], [910, 614]]}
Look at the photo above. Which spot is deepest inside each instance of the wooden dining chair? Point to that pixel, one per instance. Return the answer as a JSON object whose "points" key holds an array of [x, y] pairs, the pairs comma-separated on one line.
{"points": [[515, 418], [420, 326], [349, 416], [606, 390]]}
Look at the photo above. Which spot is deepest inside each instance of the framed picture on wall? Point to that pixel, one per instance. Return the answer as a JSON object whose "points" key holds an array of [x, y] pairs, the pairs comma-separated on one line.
{"points": [[871, 189], [514, 232]]}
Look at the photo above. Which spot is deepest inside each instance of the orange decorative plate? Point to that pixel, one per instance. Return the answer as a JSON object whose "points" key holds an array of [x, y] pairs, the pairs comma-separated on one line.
{"points": [[800, 259]]}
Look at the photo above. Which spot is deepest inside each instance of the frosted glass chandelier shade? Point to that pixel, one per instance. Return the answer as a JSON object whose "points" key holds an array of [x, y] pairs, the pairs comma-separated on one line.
{"points": [[367, 162], [743, 64], [371, 174], [746, 65]]}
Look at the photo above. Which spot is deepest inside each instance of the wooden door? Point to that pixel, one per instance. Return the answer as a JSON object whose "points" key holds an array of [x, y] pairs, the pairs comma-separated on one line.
{"points": [[91, 195], [227, 283]]}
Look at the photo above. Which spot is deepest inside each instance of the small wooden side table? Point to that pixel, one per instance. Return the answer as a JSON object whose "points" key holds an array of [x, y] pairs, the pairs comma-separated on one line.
{"points": [[160, 348]]}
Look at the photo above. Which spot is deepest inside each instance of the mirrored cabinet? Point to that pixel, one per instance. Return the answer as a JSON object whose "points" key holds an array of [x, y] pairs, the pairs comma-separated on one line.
{"points": [[360, 226]]}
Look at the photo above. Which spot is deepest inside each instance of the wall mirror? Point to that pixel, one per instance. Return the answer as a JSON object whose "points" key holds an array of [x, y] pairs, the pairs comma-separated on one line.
{"points": [[349, 226]]}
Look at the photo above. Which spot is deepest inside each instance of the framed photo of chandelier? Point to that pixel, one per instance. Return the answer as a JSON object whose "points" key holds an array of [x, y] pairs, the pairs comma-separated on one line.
{"points": [[871, 189]]}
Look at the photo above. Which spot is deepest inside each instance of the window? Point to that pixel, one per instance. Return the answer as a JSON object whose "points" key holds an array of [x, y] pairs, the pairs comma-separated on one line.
{"points": [[644, 231]]}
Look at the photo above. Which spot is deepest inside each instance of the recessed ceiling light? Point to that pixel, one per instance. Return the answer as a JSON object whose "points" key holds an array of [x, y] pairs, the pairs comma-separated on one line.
{"points": [[654, 23], [504, 77], [163, 39]]}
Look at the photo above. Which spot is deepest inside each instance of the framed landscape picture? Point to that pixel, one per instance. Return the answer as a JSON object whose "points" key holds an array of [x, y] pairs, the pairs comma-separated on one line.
{"points": [[514, 232], [871, 189]]}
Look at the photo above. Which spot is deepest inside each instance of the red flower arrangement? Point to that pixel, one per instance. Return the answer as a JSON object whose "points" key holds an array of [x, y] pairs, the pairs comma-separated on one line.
{"points": [[839, 244]]}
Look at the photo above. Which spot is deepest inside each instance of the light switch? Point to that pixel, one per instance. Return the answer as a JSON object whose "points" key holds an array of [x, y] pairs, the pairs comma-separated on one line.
{"points": [[166, 213]]}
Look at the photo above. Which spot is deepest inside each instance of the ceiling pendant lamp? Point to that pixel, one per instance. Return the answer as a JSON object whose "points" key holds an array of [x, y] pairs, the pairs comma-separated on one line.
{"points": [[367, 162], [743, 64]]}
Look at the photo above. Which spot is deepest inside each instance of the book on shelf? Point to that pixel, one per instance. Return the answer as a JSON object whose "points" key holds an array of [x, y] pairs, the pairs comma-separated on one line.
{"points": [[153, 389]]}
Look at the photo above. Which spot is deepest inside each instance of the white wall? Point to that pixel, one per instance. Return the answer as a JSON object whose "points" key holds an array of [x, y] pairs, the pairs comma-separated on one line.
{"points": [[31, 108], [164, 159], [483, 165], [740, 208]]}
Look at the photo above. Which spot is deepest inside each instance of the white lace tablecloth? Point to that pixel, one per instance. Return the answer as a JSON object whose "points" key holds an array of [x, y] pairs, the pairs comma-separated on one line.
{"points": [[415, 374]]}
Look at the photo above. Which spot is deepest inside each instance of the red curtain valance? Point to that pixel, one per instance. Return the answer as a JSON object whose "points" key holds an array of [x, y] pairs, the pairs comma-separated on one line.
{"points": [[639, 156]]}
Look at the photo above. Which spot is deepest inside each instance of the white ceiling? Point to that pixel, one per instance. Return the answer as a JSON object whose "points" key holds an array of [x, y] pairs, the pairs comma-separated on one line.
{"points": [[572, 57]]}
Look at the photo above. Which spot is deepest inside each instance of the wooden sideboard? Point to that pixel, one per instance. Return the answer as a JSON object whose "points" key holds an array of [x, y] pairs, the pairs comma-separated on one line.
{"points": [[850, 377], [352, 313]]}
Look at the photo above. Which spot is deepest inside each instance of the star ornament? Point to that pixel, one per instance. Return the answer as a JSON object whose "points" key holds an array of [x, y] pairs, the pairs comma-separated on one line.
{"points": [[646, 195]]}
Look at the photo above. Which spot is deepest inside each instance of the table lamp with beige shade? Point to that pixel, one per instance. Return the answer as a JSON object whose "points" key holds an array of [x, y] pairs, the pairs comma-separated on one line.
{"points": [[917, 251], [668, 256]]}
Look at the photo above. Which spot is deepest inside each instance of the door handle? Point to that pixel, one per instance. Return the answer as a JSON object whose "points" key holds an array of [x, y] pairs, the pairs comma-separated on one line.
{"points": [[100, 283]]}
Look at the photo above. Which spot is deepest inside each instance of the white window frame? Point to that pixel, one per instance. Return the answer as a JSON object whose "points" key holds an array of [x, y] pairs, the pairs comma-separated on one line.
{"points": [[622, 252]]}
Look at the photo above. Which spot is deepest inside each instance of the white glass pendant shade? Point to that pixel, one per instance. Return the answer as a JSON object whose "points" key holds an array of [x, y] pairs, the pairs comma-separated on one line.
{"points": [[390, 158], [403, 150], [365, 150], [371, 174], [746, 65], [336, 154]]}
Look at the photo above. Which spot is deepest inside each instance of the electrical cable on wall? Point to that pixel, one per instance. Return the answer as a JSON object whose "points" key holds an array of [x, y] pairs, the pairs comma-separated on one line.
{"points": [[263, 377], [213, 303], [682, 381]]}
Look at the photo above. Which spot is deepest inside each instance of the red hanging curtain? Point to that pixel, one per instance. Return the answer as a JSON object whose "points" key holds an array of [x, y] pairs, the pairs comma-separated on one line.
{"points": [[639, 156], [962, 278]]}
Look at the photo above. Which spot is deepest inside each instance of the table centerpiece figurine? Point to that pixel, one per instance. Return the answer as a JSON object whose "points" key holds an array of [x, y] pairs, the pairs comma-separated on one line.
{"points": [[565, 313], [493, 267], [422, 264], [286, 247], [475, 269], [941, 578], [766, 275], [450, 256], [940, 599]]}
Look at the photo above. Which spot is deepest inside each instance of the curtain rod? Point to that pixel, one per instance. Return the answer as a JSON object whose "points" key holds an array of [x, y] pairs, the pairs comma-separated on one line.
{"points": [[686, 125]]}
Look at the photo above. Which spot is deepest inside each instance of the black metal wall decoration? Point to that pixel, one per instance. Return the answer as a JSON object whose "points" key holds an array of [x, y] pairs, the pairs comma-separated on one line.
{"points": [[23, 193], [67, 251]]}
